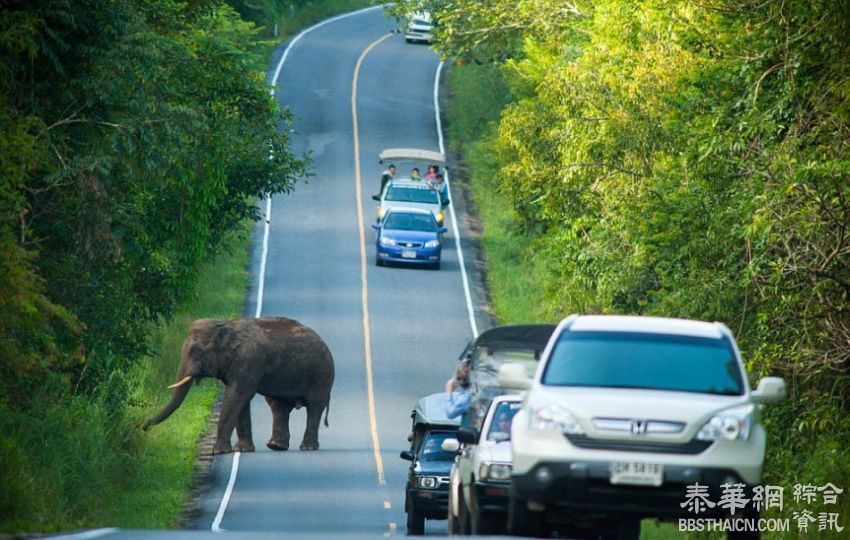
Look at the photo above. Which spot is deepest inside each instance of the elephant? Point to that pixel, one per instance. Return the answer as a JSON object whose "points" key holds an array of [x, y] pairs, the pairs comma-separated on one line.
{"points": [[279, 358]]}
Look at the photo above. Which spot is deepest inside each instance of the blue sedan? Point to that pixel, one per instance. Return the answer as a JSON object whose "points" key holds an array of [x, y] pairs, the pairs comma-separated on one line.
{"points": [[409, 235]]}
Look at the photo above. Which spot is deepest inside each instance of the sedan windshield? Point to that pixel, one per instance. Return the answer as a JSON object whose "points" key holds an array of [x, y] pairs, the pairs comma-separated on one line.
{"points": [[432, 448], [410, 222], [412, 194], [650, 361]]}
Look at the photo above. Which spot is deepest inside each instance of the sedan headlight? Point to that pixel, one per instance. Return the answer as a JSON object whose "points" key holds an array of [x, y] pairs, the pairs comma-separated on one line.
{"points": [[499, 472], [432, 243], [427, 482], [381, 213], [729, 425], [551, 416], [387, 241]]}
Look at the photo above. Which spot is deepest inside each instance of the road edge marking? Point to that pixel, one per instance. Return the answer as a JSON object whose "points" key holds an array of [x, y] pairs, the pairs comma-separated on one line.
{"points": [[216, 525], [264, 257], [464, 277], [364, 295]]}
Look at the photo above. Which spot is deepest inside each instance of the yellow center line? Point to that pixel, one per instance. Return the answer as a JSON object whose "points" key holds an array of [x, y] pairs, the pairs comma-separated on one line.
{"points": [[367, 341]]}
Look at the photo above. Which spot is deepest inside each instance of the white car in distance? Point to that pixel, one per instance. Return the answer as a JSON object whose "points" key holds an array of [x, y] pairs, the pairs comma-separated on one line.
{"points": [[419, 27]]}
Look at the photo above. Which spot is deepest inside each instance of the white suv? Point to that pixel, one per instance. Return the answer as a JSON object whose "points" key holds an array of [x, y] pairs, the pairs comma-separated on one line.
{"points": [[623, 414]]}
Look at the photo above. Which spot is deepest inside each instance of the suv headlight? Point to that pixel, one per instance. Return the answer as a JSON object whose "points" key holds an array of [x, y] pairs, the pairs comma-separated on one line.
{"points": [[432, 243], [427, 482], [387, 241], [500, 472], [550, 416], [729, 425]]}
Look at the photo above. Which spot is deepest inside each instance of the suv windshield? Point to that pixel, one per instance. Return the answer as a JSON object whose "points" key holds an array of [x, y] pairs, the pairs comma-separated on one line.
{"points": [[412, 194], [410, 222], [651, 361], [432, 447]]}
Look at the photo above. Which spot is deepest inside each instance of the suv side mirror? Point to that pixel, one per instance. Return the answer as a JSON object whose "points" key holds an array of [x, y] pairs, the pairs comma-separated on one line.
{"points": [[450, 445], [376, 197], [770, 390], [467, 435], [513, 376], [406, 455]]}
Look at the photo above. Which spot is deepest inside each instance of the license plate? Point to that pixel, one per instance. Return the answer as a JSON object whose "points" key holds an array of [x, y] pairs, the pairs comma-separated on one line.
{"points": [[408, 254], [636, 473]]}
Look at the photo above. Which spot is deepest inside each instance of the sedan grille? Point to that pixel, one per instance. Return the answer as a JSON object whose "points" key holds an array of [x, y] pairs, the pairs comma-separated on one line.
{"points": [[409, 244], [688, 448]]}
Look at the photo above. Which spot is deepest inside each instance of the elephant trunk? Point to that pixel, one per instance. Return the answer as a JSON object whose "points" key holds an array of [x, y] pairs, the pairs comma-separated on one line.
{"points": [[181, 390]]}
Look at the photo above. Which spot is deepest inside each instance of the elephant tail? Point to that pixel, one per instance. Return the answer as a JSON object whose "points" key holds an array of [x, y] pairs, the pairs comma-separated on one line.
{"points": [[327, 412]]}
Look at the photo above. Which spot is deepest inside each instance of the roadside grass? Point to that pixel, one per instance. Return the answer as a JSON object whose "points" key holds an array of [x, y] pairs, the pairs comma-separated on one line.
{"points": [[515, 279], [477, 94], [169, 454], [82, 461]]}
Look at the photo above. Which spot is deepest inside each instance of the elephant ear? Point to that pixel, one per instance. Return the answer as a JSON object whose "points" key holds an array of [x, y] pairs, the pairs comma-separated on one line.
{"points": [[226, 338]]}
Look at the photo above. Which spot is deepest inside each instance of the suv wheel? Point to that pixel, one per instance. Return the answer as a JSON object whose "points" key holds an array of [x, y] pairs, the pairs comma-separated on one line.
{"points": [[415, 520], [745, 535], [521, 520], [625, 529]]}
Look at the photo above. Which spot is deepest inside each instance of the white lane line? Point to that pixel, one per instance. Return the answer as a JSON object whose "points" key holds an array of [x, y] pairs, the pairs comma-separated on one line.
{"points": [[216, 525], [87, 535], [460, 259], [264, 258]]}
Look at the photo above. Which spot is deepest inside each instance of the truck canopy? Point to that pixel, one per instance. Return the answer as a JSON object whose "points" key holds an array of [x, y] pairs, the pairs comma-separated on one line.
{"points": [[412, 154], [516, 343]]}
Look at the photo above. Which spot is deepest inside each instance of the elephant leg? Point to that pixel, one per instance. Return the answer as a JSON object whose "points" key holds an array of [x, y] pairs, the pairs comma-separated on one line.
{"points": [[314, 416], [243, 430], [281, 408], [234, 401]]}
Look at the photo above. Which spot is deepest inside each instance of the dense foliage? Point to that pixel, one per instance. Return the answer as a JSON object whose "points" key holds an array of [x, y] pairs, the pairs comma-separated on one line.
{"points": [[135, 134], [686, 159]]}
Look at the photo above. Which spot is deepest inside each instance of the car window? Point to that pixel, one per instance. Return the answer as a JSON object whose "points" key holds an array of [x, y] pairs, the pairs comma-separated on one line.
{"points": [[500, 426], [650, 361], [432, 449], [410, 222], [411, 194]]}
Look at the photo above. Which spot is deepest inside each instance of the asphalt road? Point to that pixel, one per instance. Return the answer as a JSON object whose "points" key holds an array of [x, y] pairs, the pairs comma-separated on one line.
{"points": [[418, 319]]}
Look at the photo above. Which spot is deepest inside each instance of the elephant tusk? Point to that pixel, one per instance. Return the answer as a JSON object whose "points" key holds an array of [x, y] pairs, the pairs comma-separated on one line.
{"points": [[181, 383]]}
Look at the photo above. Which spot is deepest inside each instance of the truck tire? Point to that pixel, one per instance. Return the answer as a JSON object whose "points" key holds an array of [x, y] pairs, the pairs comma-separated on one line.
{"points": [[415, 520], [521, 520], [463, 525], [487, 523]]}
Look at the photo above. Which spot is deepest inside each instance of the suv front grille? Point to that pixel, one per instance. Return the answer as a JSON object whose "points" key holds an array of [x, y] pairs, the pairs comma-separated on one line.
{"points": [[690, 447]]}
